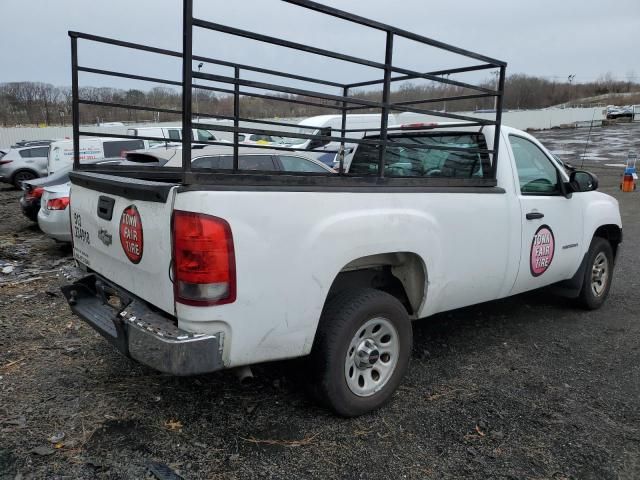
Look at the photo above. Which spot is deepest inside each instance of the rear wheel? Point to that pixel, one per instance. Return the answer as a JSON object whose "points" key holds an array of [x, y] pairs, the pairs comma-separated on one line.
{"points": [[23, 176], [361, 351], [597, 275]]}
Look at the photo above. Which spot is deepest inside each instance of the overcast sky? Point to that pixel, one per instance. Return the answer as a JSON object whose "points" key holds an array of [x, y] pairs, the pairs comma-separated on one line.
{"points": [[550, 38]]}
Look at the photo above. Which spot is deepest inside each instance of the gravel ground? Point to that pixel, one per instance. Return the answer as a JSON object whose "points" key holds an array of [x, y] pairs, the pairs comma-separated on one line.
{"points": [[527, 387]]}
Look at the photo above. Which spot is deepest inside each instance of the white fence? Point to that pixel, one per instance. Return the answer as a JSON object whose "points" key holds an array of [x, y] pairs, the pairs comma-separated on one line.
{"points": [[551, 118], [522, 119], [533, 119], [9, 136]]}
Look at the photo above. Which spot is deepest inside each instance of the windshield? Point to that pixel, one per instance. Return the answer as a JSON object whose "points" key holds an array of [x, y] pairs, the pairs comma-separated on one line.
{"points": [[300, 141]]}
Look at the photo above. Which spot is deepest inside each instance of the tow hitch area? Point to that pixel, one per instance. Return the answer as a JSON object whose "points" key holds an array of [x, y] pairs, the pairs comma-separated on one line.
{"points": [[140, 333]]}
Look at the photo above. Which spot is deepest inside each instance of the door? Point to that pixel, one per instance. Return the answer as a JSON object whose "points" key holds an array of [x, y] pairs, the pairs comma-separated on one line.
{"points": [[551, 223], [39, 157]]}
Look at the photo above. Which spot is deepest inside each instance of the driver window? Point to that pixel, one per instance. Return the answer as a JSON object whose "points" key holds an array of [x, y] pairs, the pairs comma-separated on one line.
{"points": [[536, 173]]}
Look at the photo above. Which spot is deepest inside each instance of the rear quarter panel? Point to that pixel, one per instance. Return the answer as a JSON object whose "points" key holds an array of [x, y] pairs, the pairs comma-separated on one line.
{"points": [[289, 247]]}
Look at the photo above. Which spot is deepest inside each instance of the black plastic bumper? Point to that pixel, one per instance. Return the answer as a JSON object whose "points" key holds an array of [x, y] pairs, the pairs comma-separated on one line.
{"points": [[30, 208], [139, 332]]}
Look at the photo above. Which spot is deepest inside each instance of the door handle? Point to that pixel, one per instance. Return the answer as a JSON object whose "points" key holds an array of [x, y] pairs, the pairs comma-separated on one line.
{"points": [[534, 215]]}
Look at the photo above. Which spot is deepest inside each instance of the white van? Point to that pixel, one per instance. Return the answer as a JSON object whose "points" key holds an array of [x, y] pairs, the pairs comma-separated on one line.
{"points": [[325, 151], [61, 152], [325, 125], [170, 134]]}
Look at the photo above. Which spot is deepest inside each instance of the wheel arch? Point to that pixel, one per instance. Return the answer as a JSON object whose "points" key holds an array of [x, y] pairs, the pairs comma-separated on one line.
{"points": [[612, 233], [572, 287], [23, 169], [401, 274]]}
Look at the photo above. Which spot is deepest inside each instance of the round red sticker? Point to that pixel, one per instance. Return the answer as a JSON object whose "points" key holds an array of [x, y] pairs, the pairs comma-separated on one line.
{"points": [[542, 248], [131, 233]]}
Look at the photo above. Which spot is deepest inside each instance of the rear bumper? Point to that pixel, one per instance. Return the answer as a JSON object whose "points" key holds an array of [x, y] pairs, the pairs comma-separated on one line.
{"points": [[30, 208], [140, 333], [55, 224]]}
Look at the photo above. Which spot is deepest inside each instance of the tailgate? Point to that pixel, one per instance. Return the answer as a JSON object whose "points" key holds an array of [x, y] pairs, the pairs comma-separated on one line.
{"points": [[121, 229]]}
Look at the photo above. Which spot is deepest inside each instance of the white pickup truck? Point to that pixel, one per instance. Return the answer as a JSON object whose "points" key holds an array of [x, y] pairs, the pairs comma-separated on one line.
{"points": [[192, 270], [192, 279]]}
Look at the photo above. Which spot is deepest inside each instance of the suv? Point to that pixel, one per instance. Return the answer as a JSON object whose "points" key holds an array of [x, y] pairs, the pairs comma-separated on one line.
{"points": [[21, 164]]}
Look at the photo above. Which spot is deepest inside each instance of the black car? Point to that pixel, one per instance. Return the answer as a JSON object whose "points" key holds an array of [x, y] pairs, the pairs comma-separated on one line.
{"points": [[33, 189]]}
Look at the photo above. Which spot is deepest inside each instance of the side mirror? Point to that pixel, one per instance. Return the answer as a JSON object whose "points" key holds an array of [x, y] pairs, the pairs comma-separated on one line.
{"points": [[317, 143], [582, 181]]}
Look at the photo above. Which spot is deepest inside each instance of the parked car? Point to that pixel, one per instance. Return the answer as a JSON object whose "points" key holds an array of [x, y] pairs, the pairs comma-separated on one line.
{"points": [[33, 189], [221, 158], [52, 214], [21, 164], [614, 111]]}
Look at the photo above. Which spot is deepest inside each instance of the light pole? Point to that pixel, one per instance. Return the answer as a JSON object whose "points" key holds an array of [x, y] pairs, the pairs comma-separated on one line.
{"points": [[197, 109], [570, 79], [445, 102]]}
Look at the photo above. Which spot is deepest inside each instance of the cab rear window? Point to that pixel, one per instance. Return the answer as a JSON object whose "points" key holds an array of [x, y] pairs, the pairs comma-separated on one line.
{"points": [[430, 158]]}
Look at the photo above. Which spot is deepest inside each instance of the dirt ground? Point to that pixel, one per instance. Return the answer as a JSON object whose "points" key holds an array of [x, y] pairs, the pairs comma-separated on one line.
{"points": [[527, 387]]}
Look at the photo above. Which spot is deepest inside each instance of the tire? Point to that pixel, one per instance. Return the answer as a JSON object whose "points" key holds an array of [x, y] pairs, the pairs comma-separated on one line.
{"points": [[598, 274], [361, 351], [22, 176]]}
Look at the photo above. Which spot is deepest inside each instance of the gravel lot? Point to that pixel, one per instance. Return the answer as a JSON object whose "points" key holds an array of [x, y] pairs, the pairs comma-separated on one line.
{"points": [[527, 387]]}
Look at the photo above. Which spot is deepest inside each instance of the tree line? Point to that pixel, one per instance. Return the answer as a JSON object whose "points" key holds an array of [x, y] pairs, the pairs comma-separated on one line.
{"points": [[34, 103]]}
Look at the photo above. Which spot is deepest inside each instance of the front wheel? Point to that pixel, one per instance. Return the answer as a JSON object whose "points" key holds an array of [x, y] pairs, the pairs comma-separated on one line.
{"points": [[597, 275], [361, 351]]}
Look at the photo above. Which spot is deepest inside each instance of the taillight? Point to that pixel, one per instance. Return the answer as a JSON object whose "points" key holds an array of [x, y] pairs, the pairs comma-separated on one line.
{"points": [[4, 162], [204, 259], [35, 192], [58, 203]]}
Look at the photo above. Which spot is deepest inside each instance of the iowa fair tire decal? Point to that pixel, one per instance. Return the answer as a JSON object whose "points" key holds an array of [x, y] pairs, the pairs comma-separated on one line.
{"points": [[131, 236], [542, 248]]}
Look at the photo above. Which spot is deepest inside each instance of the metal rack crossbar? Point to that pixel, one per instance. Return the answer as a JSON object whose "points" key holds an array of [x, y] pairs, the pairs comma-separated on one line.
{"points": [[346, 100]]}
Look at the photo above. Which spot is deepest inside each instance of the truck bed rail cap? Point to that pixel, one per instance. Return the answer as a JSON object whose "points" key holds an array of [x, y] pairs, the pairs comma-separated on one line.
{"points": [[131, 188]]}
